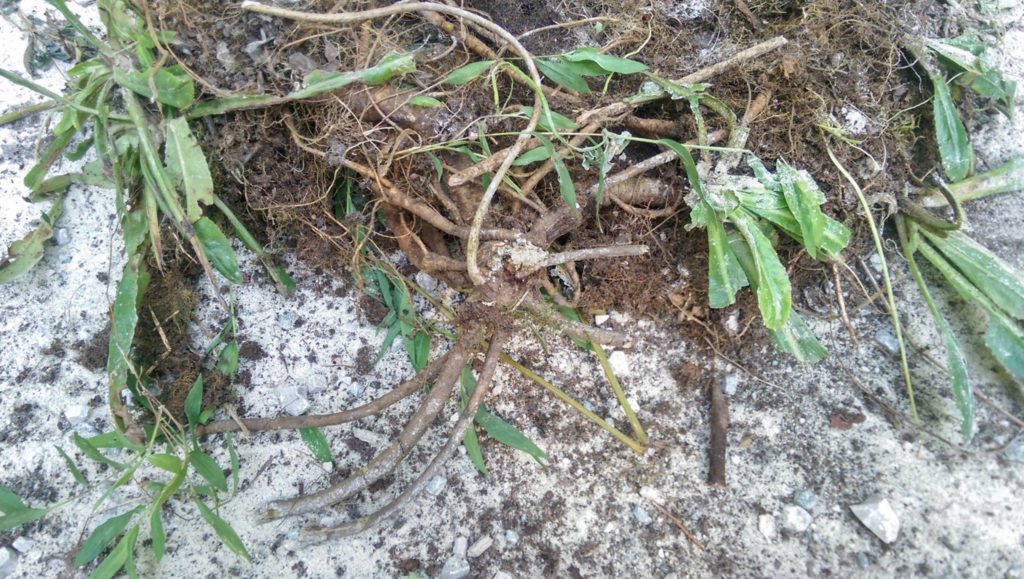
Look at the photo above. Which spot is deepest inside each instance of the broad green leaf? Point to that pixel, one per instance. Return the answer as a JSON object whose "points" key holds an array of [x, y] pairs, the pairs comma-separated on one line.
{"points": [[92, 452], [218, 249], [157, 535], [167, 462], [173, 85], [566, 188], [114, 439], [772, 284], [124, 318], [425, 101], [508, 435], [118, 556], [194, 401], [75, 471], [987, 271], [1006, 342], [954, 147], [227, 360], [966, 58], [227, 534], [534, 155], [564, 74], [208, 469], [607, 62], [27, 251], [561, 122], [802, 199], [474, 452], [16, 519], [103, 536], [317, 443], [34, 177], [467, 73], [725, 276], [186, 165], [960, 383], [795, 338]]}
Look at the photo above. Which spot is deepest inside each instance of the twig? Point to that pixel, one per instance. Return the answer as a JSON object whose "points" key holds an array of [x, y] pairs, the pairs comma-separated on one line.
{"points": [[719, 435], [754, 20], [679, 524], [593, 253], [842, 304]]}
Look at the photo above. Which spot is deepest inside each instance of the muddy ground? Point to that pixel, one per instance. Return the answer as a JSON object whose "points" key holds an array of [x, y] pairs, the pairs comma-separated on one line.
{"points": [[839, 430]]}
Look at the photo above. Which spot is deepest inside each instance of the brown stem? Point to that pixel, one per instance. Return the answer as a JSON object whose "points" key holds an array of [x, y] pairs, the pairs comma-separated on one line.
{"points": [[719, 435], [454, 439]]}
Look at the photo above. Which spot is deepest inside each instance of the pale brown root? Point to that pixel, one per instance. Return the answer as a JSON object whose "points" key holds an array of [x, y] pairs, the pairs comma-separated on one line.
{"points": [[402, 391], [384, 463], [572, 328], [463, 424]]}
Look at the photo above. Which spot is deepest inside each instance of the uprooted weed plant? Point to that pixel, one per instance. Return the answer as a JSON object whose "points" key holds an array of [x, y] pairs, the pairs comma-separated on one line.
{"points": [[492, 172]]}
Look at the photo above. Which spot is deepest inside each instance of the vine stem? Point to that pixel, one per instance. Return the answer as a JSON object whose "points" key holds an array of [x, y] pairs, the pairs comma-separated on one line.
{"points": [[539, 103]]}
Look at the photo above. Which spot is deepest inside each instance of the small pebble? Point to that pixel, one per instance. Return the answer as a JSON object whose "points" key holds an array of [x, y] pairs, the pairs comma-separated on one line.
{"points": [[600, 319], [293, 402], [887, 340], [879, 517], [863, 561], [455, 568], [287, 320], [512, 537], [62, 236], [503, 575], [436, 485], [766, 524], [619, 362], [642, 516], [732, 323], [461, 544], [77, 414], [805, 498], [23, 544], [480, 546], [795, 519], [425, 281], [1015, 451], [8, 561], [730, 384]]}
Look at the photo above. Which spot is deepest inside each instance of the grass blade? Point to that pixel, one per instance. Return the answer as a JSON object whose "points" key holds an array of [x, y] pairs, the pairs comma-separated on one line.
{"points": [[566, 188], [954, 148], [227, 534], [102, 536], [218, 249], [467, 73], [186, 165], [997, 279], [208, 469], [317, 444], [75, 471]]}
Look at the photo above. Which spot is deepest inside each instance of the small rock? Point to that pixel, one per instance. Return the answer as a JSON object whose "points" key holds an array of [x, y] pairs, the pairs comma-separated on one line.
{"points": [[766, 524], [600, 319], [287, 320], [370, 437], [619, 362], [512, 537], [436, 485], [77, 414], [461, 544], [503, 575], [8, 561], [480, 546], [806, 499], [85, 430], [642, 516], [878, 516], [730, 384], [425, 281], [1015, 451], [887, 340], [301, 63], [293, 402], [225, 56], [62, 236], [455, 568], [875, 261], [23, 544], [795, 519], [732, 323], [292, 535], [863, 561]]}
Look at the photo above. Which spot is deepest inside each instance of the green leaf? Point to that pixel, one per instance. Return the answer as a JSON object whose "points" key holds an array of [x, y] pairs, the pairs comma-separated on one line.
{"points": [[173, 85], [508, 435], [167, 462], [227, 360], [566, 188], [954, 148], [1007, 177], [114, 439], [467, 73], [317, 443], [533, 156], [474, 452], [418, 349], [795, 338], [233, 456], [186, 165], [1006, 342], [725, 276], [772, 284], [425, 101], [194, 401], [608, 62], [15, 519], [994, 277], [208, 469], [802, 197], [561, 122], [35, 175], [75, 471], [218, 249], [564, 74], [227, 534], [156, 533], [124, 318], [29, 250], [118, 556], [103, 536], [10, 502], [92, 452], [966, 58]]}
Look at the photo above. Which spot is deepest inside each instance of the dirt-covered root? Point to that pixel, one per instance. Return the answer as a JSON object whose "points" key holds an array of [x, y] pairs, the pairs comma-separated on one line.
{"points": [[464, 423], [385, 463]]}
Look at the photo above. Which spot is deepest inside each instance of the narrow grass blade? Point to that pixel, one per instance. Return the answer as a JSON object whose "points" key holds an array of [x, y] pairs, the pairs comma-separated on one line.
{"points": [[566, 188], [226, 533], [117, 558], [508, 435], [317, 444], [1005, 178], [75, 471], [997, 279], [468, 73], [103, 536]]}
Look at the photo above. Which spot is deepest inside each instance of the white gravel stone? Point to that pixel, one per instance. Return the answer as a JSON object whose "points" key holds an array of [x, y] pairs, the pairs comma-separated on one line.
{"points": [[480, 546], [766, 524], [293, 402], [436, 485], [460, 547], [600, 319], [795, 519], [619, 362], [512, 537], [23, 544], [455, 568], [77, 414], [8, 561], [879, 517]]}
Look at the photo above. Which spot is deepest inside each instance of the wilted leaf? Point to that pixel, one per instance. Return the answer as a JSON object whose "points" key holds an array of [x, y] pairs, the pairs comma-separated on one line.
{"points": [[27, 251]]}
